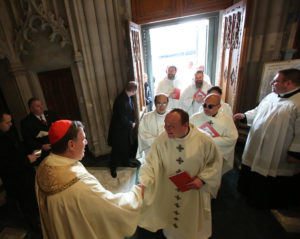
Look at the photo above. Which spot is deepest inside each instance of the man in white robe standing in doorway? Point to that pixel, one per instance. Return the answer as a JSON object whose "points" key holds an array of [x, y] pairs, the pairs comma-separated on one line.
{"points": [[193, 96], [172, 86], [152, 125], [219, 126], [180, 149], [270, 175]]}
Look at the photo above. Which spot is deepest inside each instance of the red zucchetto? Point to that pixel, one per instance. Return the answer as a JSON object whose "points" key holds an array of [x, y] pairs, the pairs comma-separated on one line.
{"points": [[58, 130]]}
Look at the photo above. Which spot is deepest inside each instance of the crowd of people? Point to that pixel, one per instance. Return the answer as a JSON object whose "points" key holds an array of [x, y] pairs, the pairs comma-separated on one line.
{"points": [[182, 147]]}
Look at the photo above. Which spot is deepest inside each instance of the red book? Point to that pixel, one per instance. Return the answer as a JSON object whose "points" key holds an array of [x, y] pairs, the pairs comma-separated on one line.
{"points": [[201, 93], [209, 129], [177, 93], [181, 180]]}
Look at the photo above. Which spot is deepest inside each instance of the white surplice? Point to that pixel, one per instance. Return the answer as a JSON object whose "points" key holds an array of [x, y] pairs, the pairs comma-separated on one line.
{"points": [[226, 109], [73, 204], [187, 214], [227, 131], [275, 130], [186, 99], [167, 86], [151, 126]]}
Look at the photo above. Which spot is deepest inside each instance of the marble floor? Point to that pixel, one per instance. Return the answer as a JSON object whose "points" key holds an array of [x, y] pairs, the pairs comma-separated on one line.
{"points": [[232, 217]]}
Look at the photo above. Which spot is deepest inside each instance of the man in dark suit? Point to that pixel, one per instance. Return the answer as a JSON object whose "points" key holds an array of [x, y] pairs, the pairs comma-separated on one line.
{"points": [[35, 127], [122, 135], [16, 170]]}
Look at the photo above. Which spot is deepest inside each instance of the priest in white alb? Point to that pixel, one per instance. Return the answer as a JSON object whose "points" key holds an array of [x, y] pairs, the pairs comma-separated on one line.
{"points": [[270, 175], [72, 202], [181, 148], [172, 86], [152, 125], [193, 96], [219, 126]]}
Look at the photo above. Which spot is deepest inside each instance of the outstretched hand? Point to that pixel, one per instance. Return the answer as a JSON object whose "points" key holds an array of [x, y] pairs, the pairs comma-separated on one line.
{"points": [[34, 156], [238, 116], [142, 187]]}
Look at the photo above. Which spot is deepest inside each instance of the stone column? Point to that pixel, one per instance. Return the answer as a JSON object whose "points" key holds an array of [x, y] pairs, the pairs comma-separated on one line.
{"points": [[100, 63]]}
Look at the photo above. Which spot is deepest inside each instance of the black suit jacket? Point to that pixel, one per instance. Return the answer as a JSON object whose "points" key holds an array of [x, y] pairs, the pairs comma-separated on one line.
{"points": [[31, 127], [15, 169], [121, 122]]}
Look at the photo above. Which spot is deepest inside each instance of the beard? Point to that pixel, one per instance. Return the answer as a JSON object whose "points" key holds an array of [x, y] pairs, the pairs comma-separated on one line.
{"points": [[199, 84], [171, 77]]}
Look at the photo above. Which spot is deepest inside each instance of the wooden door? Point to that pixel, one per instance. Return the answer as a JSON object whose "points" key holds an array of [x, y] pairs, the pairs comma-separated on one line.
{"points": [[146, 11], [137, 65], [59, 92], [232, 60]]}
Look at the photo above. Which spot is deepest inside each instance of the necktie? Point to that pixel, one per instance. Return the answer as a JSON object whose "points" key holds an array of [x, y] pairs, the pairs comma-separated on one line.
{"points": [[130, 102], [43, 121]]}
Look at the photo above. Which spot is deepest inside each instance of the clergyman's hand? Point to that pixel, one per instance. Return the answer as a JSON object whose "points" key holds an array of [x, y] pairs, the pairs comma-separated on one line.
{"points": [[199, 99], [142, 187], [238, 116], [46, 147], [195, 184], [34, 156]]}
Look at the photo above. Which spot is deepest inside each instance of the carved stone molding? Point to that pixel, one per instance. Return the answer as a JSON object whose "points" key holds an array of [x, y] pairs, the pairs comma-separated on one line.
{"points": [[38, 18]]}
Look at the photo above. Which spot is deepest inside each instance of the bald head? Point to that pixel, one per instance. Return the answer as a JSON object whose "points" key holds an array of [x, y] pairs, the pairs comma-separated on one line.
{"points": [[213, 97], [212, 104], [161, 101]]}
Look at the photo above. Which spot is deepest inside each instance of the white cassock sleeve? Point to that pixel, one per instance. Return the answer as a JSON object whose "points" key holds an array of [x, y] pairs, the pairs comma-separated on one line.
{"points": [[228, 137], [212, 172], [186, 99], [146, 137], [295, 145], [149, 176]]}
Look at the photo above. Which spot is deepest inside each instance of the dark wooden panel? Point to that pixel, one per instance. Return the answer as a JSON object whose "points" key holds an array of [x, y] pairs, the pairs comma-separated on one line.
{"points": [[146, 11], [190, 7], [59, 93]]}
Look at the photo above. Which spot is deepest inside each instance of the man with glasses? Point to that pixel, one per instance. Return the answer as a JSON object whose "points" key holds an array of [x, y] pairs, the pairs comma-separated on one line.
{"points": [[219, 126], [270, 174], [152, 124], [192, 97]]}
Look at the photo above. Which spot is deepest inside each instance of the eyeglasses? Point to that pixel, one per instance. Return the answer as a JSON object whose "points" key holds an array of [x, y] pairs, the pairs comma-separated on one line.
{"points": [[208, 106], [160, 104]]}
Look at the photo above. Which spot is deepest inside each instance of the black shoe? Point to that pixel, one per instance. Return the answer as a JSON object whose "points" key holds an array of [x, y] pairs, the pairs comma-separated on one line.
{"points": [[134, 163], [113, 172]]}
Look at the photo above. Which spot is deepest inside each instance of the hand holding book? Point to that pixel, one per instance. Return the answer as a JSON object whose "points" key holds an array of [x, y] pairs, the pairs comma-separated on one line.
{"points": [[181, 180], [176, 94], [185, 182]]}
